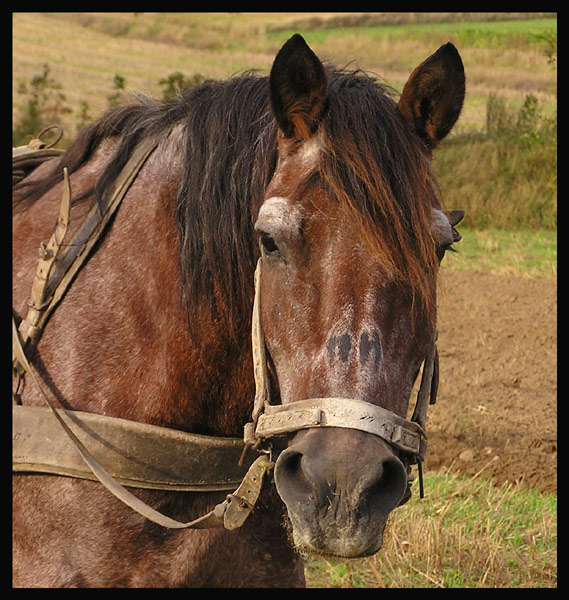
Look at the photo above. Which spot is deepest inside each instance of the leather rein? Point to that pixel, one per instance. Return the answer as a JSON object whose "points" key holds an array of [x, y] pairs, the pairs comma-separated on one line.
{"points": [[72, 443]]}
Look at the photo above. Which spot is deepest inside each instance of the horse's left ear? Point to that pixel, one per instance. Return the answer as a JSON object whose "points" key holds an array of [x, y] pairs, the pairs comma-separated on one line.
{"points": [[299, 89], [432, 98]]}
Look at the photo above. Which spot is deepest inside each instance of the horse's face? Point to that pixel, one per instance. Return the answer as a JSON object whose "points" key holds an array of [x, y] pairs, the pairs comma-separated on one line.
{"points": [[336, 324]]}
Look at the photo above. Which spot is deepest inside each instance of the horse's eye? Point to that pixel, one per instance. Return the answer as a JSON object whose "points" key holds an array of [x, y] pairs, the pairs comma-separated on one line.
{"points": [[269, 244]]}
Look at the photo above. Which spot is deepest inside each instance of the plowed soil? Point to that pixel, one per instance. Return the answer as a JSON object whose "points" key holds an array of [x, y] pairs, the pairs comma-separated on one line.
{"points": [[496, 412]]}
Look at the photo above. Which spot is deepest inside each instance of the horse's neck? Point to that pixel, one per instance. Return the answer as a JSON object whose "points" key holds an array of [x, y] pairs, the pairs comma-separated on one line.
{"points": [[119, 342]]}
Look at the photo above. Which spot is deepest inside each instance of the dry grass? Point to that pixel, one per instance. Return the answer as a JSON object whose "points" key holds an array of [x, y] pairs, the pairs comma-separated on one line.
{"points": [[84, 60], [85, 50], [498, 182], [503, 181], [467, 533]]}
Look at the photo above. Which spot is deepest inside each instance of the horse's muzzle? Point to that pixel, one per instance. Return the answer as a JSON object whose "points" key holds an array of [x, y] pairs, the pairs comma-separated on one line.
{"points": [[339, 486]]}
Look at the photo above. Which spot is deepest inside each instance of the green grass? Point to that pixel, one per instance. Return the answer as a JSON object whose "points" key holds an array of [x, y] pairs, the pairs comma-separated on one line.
{"points": [[465, 533], [524, 253], [489, 34], [504, 181]]}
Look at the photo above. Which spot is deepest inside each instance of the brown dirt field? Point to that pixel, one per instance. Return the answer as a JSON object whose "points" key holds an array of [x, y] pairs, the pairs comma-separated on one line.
{"points": [[496, 410]]}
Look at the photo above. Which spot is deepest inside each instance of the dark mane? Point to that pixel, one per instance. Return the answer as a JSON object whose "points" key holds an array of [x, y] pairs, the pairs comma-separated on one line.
{"points": [[229, 155], [373, 164]]}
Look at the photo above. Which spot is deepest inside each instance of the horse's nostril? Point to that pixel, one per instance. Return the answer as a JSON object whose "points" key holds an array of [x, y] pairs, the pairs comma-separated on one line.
{"points": [[290, 473], [291, 461], [376, 483], [386, 487]]}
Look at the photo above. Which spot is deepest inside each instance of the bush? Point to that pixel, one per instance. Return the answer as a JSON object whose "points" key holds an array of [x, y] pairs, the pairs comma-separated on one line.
{"points": [[44, 106], [176, 82], [506, 176]]}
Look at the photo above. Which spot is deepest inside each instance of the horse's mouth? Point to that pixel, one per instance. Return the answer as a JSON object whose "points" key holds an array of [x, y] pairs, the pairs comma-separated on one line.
{"points": [[335, 542]]}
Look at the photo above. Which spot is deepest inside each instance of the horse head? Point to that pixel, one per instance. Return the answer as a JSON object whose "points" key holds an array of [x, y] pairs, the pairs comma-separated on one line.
{"points": [[351, 235]]}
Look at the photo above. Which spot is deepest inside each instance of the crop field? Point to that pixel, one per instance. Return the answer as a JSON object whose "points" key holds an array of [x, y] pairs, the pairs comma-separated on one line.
{"points": [[489, 517]]}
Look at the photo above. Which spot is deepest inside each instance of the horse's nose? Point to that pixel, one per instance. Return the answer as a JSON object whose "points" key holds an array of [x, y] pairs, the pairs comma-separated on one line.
{"points": [[348, 470]]}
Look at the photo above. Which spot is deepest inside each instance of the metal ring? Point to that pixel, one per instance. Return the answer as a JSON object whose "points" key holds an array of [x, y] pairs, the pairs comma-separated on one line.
{"points": [[46, 129]]}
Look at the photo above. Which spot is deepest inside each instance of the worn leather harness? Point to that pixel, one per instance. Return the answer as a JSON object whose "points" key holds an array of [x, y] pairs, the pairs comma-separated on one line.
{"points": [[145, 456]]}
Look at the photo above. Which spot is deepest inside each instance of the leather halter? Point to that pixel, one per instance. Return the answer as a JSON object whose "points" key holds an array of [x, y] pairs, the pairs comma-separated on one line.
{"points": [[67, 434], [408, 437]]}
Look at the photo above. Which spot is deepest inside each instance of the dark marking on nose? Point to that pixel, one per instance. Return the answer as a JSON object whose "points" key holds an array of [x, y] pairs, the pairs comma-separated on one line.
{"points": [[343, 343], [370, 348]]}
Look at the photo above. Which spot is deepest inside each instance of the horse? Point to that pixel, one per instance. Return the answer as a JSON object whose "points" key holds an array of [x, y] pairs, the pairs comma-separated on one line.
{"points": [[322, 178]]}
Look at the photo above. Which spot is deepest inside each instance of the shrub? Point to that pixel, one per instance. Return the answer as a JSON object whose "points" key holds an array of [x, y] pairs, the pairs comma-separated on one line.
{"points": [[44, 106]]}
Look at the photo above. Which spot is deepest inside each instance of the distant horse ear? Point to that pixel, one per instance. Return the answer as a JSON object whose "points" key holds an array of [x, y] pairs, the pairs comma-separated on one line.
{"points": [[454, 218], [432, 98], [299, 89]]}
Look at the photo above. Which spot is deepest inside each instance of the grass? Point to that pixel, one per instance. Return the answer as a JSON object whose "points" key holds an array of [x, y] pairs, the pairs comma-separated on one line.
{"points": [[505, 179], [501, 180], [482, 34], [144, 47], [465, 533], [522, 253]]}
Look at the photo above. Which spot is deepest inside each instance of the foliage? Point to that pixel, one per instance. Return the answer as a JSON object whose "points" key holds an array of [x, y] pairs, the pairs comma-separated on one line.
{"points": [[176, 82], [119, 84], [44, 106], [46, 102], [506, 176], [548, 38], [84, 116]]}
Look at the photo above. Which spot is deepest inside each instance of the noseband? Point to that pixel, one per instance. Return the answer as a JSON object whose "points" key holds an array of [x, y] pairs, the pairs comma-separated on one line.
{"points": [[407, 437]]}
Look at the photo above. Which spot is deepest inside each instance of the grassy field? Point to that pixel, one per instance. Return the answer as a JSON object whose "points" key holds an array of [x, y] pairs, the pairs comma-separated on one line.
{"points": [[85, 50], [523, 253], [464, 533], [499, 164]]}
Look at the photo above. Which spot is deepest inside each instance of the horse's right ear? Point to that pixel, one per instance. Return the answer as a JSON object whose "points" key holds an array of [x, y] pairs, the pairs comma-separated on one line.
{"points": [[299, 89]]}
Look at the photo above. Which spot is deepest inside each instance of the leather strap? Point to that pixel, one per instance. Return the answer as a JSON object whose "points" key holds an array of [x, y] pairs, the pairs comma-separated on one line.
{"points": [[135, 454], [341, 412], [30, 328], [241, 503], [259, 352], [63, 271], [429, 386], [26, 159], [237, 506]]}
